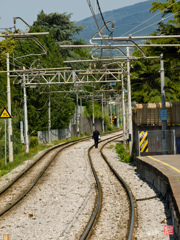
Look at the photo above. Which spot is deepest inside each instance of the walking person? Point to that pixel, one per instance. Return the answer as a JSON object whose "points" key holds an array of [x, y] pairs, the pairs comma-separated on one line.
{"points": [[96, 137]]}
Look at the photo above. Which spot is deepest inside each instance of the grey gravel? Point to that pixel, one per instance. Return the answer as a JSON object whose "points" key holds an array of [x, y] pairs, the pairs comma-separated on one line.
{"points": [[60, 205], [151, 213]]}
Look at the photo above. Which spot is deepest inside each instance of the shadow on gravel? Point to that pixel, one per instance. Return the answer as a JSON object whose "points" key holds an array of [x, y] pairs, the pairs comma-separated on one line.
{"points": [[164, 199]]}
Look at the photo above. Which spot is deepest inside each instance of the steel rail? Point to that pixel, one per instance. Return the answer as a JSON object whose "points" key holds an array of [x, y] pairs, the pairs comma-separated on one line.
{"points": [[96, 212], [98, 204], [64, 145], [132, 222]]}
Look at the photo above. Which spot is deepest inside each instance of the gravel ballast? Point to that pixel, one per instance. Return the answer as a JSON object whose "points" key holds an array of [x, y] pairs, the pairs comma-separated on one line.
{"points": [[61, 203]]}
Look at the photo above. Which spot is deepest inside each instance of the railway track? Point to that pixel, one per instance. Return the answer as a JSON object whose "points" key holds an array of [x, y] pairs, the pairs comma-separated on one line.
{"points": [[96, 225], [19, 187], [69, 228]]}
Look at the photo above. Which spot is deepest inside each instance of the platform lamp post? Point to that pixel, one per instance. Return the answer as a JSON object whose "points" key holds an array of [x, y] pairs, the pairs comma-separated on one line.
{"points": [[10, 137]]}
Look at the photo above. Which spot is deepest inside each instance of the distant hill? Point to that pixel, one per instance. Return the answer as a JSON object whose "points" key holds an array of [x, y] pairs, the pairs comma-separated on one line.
{"points": [[125, 19]]}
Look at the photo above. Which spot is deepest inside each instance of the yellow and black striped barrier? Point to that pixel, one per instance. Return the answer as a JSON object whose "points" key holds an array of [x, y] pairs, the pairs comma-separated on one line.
{"points": [[143, 141]]}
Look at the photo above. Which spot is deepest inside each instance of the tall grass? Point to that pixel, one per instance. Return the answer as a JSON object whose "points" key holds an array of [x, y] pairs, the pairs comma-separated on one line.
{"points": [[123, 153], [20, 158]]}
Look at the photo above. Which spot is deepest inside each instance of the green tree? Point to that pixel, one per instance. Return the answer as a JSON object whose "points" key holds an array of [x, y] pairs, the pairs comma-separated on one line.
{"points": [[60, 26], [6, 46], [26, 52], [62, 31], [145, 74]]}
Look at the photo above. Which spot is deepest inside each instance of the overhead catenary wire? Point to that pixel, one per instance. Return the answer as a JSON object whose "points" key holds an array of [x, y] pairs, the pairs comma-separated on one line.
{"points": [[154, 23], [39, 108], [149, 19], [15, 65], [100, 28], [166, 70]]}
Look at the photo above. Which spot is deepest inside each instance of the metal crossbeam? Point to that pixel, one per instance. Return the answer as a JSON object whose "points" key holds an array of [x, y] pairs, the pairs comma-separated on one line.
{"points": [[119, 45], [112, 59], [59, 77], [15, 35], [124, 39], [35, 70], [81, 91]]}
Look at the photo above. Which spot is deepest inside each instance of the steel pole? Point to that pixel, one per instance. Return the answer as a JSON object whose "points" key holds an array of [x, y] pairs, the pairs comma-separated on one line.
{"points": [[102, 114], [77, 115], [5, 143], [129, 103], [93, 111], [10, 137], [123, 110], [162, 83], [118, 113], [49, 121], [164, 122], [25, 115], [81, 123]]}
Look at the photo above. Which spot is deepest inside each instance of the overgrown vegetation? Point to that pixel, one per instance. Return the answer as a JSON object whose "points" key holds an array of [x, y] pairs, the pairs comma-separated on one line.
{"points": [[123, 153], [33, 142]]}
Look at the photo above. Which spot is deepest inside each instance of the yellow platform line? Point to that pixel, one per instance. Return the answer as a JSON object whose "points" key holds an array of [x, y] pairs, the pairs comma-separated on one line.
{"points": [[177, 170]]}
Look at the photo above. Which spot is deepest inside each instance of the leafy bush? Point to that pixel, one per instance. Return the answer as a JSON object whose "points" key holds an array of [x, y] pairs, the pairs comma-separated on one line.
{"points": [[17, 145], [119, 148], [123, 153], [33, 142], [111, 127]]}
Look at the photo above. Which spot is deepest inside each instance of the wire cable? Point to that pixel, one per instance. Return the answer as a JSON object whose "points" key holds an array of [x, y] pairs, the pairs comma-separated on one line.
{"points": [[153, 23], [36, 108], [166, 70], [103, 16], [150, 18], [18, 66]]}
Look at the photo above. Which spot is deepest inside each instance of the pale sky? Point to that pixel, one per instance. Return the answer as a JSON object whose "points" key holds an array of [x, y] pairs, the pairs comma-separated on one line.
{"points": [[29, 9]]}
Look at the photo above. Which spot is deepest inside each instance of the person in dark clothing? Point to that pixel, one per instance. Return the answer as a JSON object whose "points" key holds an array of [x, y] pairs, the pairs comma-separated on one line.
{"points": [[96, 137]]}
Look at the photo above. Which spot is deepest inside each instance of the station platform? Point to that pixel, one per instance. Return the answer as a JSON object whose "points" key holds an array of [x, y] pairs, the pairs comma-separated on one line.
{"points": [[163, 171]]}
